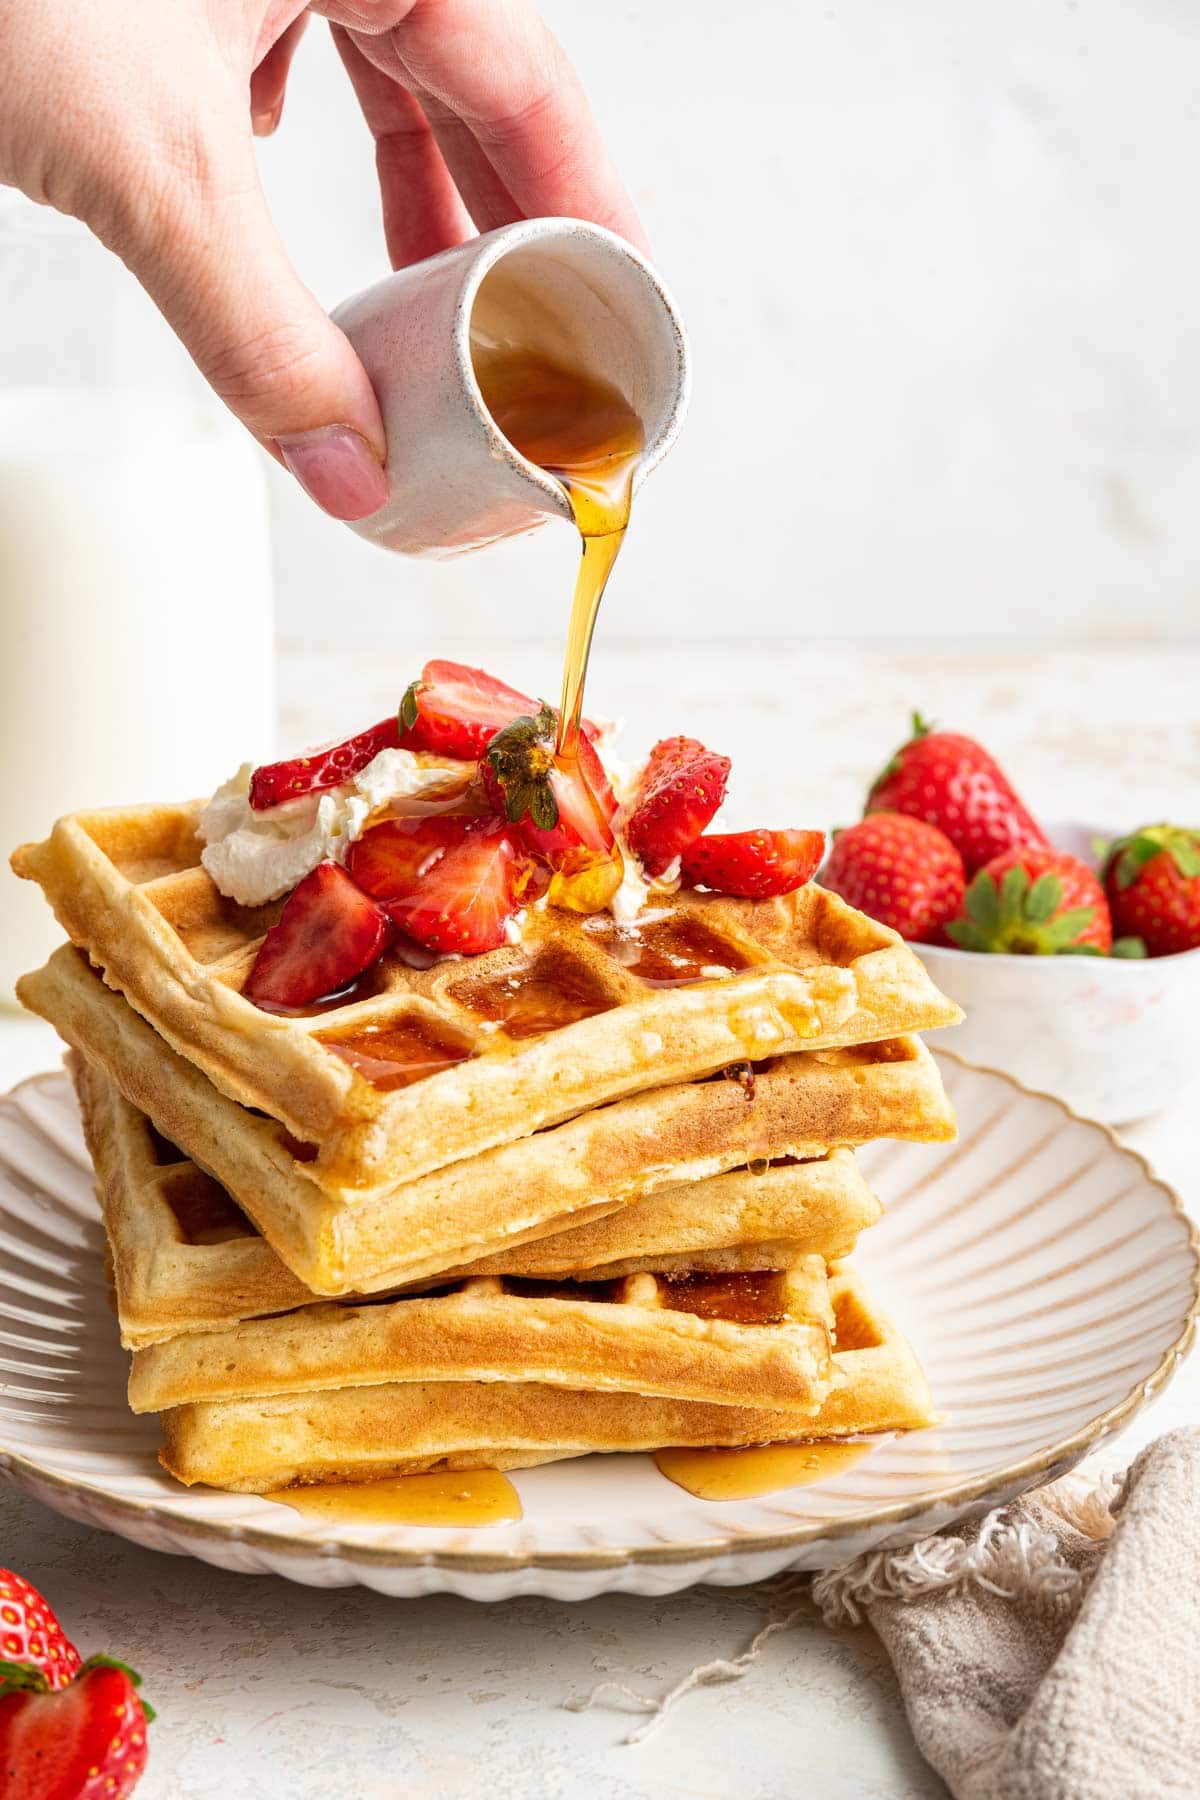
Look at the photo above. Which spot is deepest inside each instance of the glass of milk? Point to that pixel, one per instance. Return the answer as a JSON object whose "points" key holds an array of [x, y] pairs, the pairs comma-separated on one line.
{"points": [[136, 630]]}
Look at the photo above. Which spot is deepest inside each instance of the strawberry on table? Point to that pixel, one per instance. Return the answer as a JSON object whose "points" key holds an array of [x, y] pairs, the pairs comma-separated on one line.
{"points": [[329, 933], [30, 1633], [1152, 878], [1034, 902], [754, 865], [316, 770], [450, 882], [952, 782], [68, 1730], [84, 1742], [681, 787], [899, 870], [455, 710]]}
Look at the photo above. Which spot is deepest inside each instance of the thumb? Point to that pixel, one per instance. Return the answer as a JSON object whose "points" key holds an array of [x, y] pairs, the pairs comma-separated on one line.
{"points": [[212, 262]]}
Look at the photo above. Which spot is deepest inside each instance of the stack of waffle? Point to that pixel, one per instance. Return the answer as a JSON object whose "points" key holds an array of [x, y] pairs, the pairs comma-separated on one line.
{"points": [[593, 1191]]}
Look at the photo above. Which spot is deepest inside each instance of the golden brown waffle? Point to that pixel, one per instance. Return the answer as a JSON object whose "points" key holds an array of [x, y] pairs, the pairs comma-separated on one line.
{"points": [[714, 1338], [506, 1044], [399, 1428], [570, 1175], [186, 1258]]}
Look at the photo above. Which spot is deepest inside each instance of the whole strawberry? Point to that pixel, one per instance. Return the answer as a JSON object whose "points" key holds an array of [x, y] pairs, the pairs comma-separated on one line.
{"points": [[30, 1633], [901, 871], [1034, 902], [951, 781], [68, 1730], [1152, 878]]}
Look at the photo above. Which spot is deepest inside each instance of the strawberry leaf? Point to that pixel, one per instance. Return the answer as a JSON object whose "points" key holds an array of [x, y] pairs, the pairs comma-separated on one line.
{"points": [[1014, 887], [1044, 899], [26, 1676], [408, 706], [1185, 854], [1133, 949], [983, 902]]}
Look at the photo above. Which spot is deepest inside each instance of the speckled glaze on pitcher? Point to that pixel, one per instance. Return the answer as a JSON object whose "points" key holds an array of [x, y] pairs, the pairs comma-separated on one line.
{"points": [[455, 482]]}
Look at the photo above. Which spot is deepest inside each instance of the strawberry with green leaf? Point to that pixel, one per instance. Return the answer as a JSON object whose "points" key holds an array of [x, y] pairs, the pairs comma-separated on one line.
{"points": [[1152, 878], [1032, 901], [952, 782], [68, 1730]]}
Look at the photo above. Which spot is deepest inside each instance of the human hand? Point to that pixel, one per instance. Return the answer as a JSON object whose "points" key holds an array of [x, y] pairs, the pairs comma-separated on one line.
{"points": [[140, 120]]}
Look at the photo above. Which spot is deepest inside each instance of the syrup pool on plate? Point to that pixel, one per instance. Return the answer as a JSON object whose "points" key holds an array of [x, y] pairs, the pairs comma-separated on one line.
{"points": [[759, 1469], [447, 1498]]}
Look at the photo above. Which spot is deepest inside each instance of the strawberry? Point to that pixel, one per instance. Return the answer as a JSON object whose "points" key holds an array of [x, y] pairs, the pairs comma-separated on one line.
{"points": [[86, 1741], [30, 1633], [276, 782], [560, 811], [455, 710], [754, 864], [901, 871], [328, 934], [1034, 902], [450, 882], [1152, 878], [681, 787], [952, 782]]}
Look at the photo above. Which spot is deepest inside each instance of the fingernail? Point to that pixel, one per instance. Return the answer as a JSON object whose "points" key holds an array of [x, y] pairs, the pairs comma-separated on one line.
{"points": [[264, 124], [336, 468]]}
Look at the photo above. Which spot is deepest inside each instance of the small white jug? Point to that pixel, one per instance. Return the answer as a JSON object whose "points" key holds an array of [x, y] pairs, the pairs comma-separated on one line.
{"points": [[455, 482]]}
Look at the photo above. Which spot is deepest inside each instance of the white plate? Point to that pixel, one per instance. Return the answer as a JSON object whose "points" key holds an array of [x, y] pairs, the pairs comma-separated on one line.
{"points": [[1047, 1279]]}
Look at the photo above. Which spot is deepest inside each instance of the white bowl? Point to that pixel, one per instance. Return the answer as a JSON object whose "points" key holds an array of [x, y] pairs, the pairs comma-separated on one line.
{"points": [[1115, 1038]]}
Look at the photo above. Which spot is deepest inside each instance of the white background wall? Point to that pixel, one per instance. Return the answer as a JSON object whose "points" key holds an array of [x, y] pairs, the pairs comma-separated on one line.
{"points": [[939, 263]]}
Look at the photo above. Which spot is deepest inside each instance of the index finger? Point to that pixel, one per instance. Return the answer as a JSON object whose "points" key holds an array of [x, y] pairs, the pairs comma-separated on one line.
{"points": [[497, 66]]}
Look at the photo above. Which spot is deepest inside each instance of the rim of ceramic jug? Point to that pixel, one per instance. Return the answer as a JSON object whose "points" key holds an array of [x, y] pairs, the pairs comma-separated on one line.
{"points": [[492, 248]]}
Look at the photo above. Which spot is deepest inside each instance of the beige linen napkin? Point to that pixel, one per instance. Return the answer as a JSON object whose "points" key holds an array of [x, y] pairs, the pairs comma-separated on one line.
{"points": [[1054, 1654], [1050, 1651]]}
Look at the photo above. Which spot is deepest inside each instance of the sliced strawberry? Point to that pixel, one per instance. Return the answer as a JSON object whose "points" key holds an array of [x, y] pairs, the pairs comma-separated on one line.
{"points": [[681, 788], [560, 811], [452, 883], [320, 769], [85, 1741], [389, 859], [754, 865], [328, 933], [455, 710]]}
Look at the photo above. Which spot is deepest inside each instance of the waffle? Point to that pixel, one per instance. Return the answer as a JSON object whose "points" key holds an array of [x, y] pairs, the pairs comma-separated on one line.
{"points": [[426, 1067], [186, 1258], [712, 1338], [797, 1106], [400, 1428]]}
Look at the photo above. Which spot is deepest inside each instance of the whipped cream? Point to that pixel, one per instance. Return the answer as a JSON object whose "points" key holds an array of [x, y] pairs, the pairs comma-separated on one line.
{"points": [[254, 856]]}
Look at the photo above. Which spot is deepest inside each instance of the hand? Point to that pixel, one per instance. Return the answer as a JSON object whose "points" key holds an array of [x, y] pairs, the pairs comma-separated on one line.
{"points": [[139, 119]]}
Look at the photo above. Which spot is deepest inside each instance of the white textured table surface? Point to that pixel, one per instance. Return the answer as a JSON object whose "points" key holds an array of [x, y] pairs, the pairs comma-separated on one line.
{"points": [[268, 1689]]}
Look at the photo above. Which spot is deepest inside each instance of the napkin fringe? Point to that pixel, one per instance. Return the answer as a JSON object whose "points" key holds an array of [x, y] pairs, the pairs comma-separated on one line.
{"points": [[1013, 1561]]}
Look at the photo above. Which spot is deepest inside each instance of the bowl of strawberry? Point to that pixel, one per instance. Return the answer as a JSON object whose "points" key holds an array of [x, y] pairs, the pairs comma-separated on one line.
{"points": [[1075, 953]]}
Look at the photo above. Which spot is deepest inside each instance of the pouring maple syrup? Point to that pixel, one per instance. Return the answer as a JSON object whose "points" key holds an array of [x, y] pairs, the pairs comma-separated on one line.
{"points": [[584, 432]]}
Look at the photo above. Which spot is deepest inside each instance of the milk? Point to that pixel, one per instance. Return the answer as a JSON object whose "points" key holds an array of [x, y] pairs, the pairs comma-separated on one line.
{"points": [[136, 641]]}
